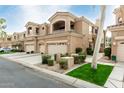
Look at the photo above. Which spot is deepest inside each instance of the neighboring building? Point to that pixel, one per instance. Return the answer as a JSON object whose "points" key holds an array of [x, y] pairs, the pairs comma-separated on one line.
{"points": [[118, 34], [63, 34]]}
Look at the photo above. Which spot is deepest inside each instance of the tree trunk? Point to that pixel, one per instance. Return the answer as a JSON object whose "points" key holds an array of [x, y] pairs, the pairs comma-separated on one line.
{"points": [[99, 37]]}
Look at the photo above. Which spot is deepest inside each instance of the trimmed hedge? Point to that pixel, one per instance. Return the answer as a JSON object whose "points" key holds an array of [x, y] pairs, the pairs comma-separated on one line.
{"points": [[107, 52], [63, 64], [79, 58], [50, 62], [78, 50], [89, 51], [45, 59]]}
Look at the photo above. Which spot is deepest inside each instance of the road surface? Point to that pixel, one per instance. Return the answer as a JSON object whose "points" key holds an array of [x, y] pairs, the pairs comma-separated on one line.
{"points": [[14, 75]]}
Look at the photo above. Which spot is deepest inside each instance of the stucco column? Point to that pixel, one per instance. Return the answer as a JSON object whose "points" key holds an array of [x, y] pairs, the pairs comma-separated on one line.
{"points": [[35, 45], [51, 28], [33, 31], [67, 25]]}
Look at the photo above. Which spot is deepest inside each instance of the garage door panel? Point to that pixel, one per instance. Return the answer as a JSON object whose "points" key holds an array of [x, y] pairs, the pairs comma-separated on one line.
{"points": [[120, 51], [29, 48], [54, 49]]}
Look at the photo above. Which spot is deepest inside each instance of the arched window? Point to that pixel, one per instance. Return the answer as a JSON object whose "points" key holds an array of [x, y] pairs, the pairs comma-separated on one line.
{"points": [[59, 25]]}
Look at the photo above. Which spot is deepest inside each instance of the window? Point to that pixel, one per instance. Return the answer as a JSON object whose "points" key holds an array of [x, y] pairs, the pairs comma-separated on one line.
{"points": [[72, 25], [37, 30], [14, 37], [59, 25], [29, 29], [43, 28], [9, 39], [24, 35]]}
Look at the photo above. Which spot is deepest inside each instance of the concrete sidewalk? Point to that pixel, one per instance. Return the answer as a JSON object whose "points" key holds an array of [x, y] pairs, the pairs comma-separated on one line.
{"points": [[61, 77], [116, 78]]}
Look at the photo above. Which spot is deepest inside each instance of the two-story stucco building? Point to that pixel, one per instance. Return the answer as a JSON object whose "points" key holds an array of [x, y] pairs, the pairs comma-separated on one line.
{"points": [[118, 34], [63, 34]]}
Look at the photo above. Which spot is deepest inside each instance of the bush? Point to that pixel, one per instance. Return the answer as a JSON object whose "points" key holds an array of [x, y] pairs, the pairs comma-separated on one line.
{"points": [[2, 51], [63, 64], [27, 52], [50, 62], [89, 51], [15, 50], [45, 59], [76, 59], [78, 50], [32, 52], [64, 55], [79, 58], [22, 51], [107, 52]]}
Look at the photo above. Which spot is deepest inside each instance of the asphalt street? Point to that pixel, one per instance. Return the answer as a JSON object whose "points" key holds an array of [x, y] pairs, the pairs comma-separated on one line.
{"points": [[14, 75]]}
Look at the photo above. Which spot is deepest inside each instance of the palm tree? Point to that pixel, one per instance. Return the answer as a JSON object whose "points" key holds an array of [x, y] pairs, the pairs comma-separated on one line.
{"points": [[3, 34], [99, 36], [2, 28]]}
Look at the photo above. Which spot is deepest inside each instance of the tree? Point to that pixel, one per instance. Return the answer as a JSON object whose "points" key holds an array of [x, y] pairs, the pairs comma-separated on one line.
{"points": [[2, 28], [99, 36]]}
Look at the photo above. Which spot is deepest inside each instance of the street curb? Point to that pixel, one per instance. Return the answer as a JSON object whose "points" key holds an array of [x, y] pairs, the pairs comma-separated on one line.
{"points": [[60, 77]]}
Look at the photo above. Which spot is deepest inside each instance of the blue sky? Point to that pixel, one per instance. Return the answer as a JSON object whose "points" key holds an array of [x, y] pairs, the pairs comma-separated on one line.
{"points": [[18, 16]]}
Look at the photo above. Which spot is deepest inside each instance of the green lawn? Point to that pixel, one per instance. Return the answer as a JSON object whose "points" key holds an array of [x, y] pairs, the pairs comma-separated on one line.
{"points": [[6, 52], [86, 73]]}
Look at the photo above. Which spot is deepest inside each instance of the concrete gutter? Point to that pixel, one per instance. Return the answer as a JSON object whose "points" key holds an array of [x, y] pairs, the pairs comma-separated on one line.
{"points": [[60, 77]]}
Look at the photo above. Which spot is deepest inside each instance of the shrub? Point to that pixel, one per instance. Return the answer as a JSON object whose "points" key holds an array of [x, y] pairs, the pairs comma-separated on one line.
{"points": [[79, 58], [78, 50], [64, 55], [32, 52], [45, 59], [89, 51], [107, 52], [2, 51], [76, 59], [27, 52], [50, 62], [22, 51], [63, 64], [42, 53], [15, 50]]}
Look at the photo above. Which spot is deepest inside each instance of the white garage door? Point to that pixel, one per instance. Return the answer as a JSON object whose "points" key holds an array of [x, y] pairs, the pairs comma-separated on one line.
{"points": [[29, 47], [57, 48], [120, 51]]}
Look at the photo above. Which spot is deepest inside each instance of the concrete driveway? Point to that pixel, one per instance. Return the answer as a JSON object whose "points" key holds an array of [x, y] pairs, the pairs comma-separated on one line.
{"points": [[26, 58]]}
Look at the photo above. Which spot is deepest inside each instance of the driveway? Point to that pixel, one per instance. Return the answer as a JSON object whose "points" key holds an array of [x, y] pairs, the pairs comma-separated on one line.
{"points": [[13, 75], [23, 57]]}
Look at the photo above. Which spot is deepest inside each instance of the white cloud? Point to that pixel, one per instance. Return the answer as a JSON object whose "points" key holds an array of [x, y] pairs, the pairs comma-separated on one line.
{"points": [[41, 13]]}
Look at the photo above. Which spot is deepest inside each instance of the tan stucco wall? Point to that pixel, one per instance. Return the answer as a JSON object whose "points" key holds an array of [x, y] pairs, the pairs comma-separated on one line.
{"points": [[114, 35]]}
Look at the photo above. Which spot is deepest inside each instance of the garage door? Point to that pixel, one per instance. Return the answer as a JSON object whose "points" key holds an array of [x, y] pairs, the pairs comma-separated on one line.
{"points": [[29, 48], [57, 48], [120, 51]]}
